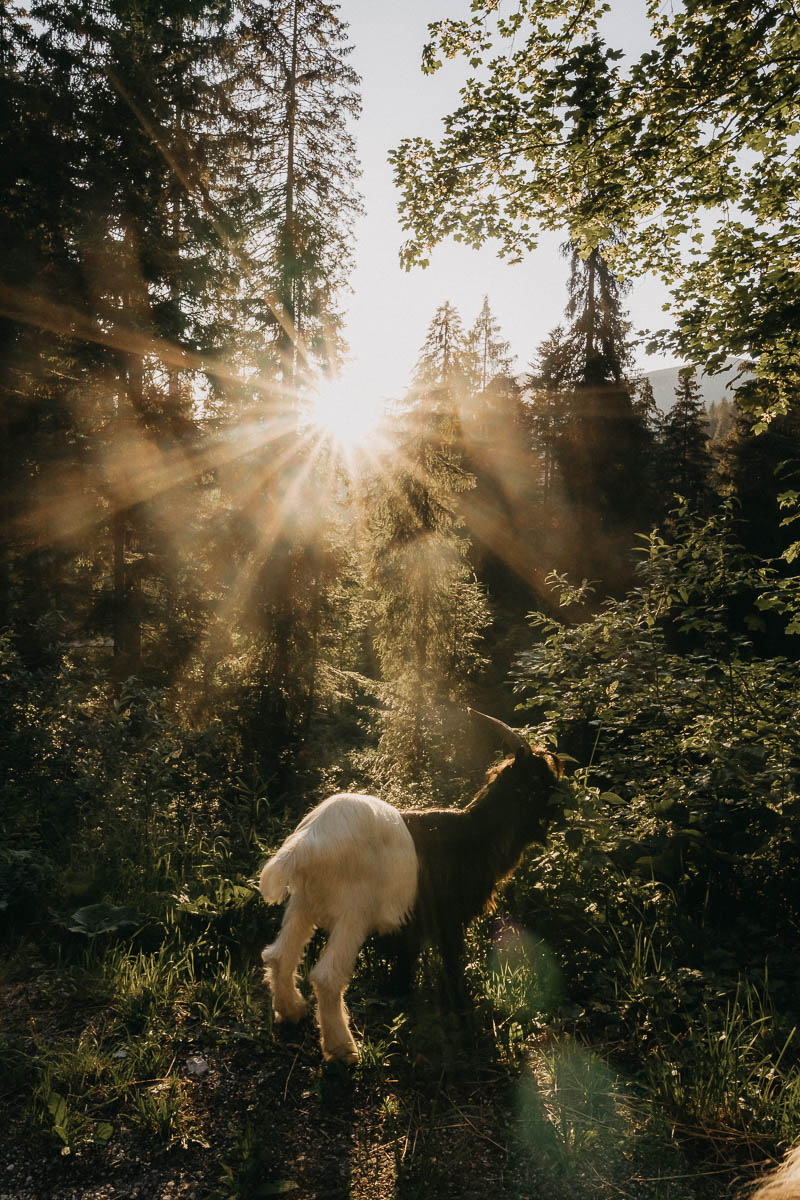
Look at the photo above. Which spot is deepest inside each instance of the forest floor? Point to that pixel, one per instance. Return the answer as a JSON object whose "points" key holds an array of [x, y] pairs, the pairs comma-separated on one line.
{"points": [[436, 1108]]}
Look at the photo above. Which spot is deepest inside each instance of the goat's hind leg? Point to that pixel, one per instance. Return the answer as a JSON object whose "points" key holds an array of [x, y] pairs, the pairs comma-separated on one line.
{"points": [[329, 979], [280, 962]]}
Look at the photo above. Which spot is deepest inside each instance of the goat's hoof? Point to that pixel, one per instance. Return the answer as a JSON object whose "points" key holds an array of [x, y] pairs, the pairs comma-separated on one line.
{"points": [[291, 1013], [346, 1053]]}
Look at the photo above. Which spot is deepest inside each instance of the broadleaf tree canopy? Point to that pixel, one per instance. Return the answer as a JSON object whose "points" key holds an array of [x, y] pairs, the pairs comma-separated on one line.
{"points": [[688, 153]]}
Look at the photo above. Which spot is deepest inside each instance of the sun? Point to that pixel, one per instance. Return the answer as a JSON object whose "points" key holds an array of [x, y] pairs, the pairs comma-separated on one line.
{"points": [[345, 414]]}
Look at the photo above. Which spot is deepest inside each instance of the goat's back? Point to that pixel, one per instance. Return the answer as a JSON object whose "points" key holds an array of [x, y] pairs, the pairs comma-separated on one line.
{"points": [[352, 856]]}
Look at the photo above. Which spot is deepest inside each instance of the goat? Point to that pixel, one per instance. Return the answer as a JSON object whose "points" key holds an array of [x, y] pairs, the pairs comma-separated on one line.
{"points": [[355, 865], [784, 1182]]}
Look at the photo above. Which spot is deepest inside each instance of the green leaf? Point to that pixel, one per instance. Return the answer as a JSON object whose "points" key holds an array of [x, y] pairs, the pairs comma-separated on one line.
{"points": [[102, 918], [60, 1114]]}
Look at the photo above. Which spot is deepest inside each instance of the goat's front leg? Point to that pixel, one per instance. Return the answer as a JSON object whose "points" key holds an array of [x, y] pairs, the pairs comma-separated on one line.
{"points": [[451, 948], [405, 949], [280, 962], [329, 979]]}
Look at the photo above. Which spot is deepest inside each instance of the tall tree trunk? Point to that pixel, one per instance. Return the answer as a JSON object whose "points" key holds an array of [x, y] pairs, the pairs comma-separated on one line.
{"points": [[7, 512], [288, 346], [127, 600], [591, 308]]}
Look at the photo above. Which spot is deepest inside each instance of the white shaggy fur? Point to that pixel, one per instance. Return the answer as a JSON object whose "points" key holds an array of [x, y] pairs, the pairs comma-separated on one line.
{"points": [[349, 868], [784, 1183]]}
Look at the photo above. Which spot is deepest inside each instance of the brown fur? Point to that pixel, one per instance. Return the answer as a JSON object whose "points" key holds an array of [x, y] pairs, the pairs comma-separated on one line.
{"points": [[465, 854]]}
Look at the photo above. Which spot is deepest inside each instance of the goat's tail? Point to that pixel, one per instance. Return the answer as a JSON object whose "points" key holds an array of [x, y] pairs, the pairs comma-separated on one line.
{"points": [[276, 877]]}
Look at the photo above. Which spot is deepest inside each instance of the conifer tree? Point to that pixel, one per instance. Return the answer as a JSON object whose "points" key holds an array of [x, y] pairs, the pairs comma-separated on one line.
{"points": [[299, 59], [721, 419], [40, 353], [593, 438], [757, 470], [598, 448], [145, 94], [686, 461], [599, 330], [443, 361], [430, 612], [488, 352], [546, 386], [295, 55], [143, 251], [644, 404], [146, 148]]}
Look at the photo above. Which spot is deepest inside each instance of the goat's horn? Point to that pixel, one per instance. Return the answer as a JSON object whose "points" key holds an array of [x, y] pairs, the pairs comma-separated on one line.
{"points": [[511, 738]]}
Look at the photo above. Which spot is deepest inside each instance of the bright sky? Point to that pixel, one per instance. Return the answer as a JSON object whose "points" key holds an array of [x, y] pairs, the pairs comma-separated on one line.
{"points": [[390, 309]]}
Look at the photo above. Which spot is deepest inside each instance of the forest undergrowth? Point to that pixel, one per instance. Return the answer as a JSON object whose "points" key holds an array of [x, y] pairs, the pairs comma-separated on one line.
{"points": [[635, 1022], [221, 600]]}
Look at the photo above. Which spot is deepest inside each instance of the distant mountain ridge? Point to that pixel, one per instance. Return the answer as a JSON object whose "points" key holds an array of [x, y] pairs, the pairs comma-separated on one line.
{"points": [[712, 387]]}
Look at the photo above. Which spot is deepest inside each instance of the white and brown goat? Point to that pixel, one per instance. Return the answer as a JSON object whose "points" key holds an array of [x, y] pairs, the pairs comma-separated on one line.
{"points": [[355, 866]]}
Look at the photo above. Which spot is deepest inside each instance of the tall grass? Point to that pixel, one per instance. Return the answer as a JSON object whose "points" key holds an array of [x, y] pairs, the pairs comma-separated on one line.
{"points": [[734, 1070]]}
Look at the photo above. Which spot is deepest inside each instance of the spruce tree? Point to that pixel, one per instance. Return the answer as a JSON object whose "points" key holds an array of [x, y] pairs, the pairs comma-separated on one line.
{"points": [[546, 385], [430, 612], [298, 58], [145, 92], [497, 452], [41, 353], [146, 206], [592, 435], [599, 330], [443, 361], [489, 354], [686, 461], [721, 420], [294, 53], [757, 469], [596, 449]]}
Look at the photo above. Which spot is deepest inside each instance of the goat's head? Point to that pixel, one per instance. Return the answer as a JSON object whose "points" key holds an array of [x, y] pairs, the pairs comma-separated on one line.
{"points": [[525, 780]]}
